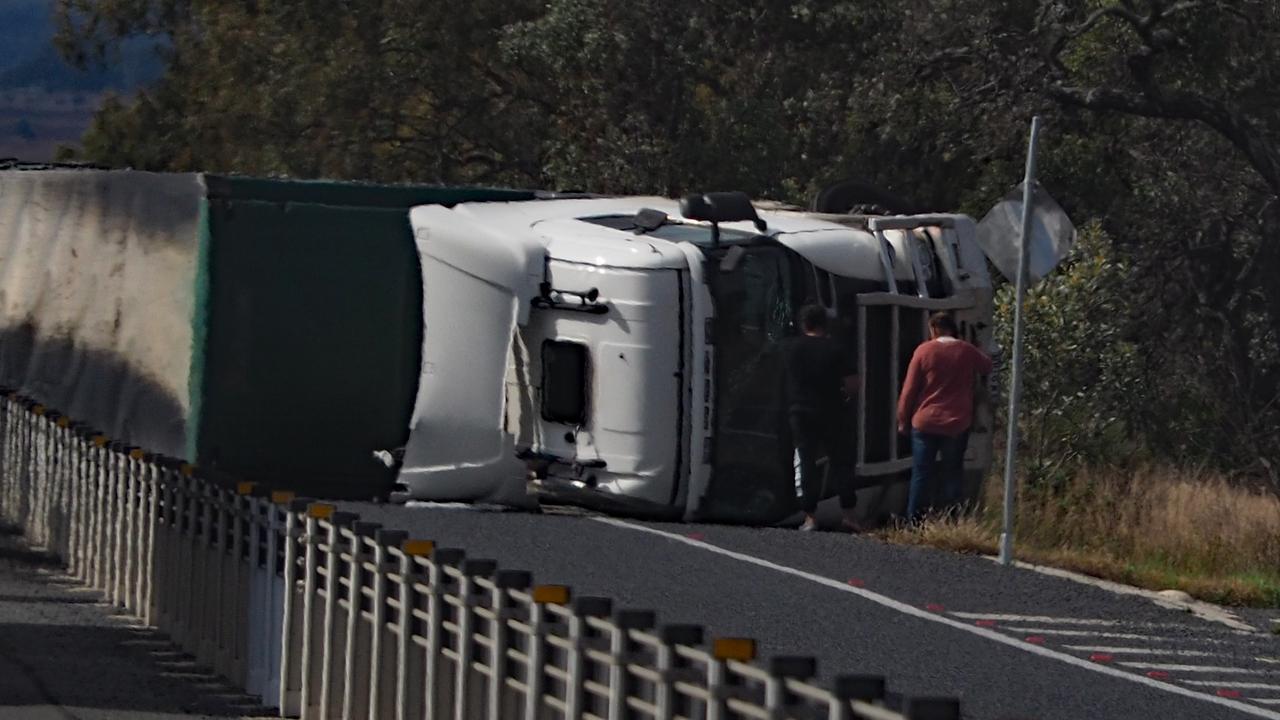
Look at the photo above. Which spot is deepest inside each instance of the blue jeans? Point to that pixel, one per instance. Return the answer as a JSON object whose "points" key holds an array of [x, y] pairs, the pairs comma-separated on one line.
{"points": [[935, 460]]}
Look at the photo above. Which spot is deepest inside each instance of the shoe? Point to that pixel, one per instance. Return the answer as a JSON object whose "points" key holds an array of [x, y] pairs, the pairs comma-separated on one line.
{"points": [[809, 525], [849, 523]]}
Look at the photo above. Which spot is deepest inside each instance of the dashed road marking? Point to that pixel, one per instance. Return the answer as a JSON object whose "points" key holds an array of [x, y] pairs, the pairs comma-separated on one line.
{"points": [[1141, 651], [1196, 640], [1043, 619], [991, 634], [1231, 684], [1086, 633], [1051, 620], [1220, 669]]}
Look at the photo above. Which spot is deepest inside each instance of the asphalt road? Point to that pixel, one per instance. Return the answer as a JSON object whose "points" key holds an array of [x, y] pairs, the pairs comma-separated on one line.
{"points": [[63, 656], [1010, 643]]}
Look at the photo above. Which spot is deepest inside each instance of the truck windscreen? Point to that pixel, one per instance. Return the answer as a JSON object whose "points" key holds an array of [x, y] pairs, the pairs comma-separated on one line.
{"points": [[756, 298]]}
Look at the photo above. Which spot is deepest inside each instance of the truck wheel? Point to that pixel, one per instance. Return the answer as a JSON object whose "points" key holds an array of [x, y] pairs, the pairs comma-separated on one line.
{"points": [[846, 195]]}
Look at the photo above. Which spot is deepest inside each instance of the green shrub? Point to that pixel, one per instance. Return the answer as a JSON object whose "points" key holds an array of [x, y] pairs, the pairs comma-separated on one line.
{"points": [[1082, 373]]}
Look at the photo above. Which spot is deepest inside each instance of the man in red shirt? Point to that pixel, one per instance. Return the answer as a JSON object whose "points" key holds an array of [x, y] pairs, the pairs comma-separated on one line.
{"points": [[936, 407]]}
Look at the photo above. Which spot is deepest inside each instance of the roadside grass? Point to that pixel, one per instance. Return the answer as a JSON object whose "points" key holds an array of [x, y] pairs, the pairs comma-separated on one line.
{"points": [[1156, 528]]}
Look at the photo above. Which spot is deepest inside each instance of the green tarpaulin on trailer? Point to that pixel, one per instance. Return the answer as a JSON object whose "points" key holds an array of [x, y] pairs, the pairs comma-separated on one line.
{"points": [[267, 328], [313, 329]]}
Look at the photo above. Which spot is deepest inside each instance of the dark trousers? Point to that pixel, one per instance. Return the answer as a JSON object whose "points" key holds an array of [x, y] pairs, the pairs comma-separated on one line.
{"points": [[823, 448], [937, 462]]}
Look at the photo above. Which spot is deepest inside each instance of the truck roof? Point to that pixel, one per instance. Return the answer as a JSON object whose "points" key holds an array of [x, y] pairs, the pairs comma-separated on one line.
{"points": [[603, 231]]}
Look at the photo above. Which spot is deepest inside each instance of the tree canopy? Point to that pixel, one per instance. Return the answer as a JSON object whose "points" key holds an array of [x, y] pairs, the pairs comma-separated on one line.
{"points": [[1161, 134]]}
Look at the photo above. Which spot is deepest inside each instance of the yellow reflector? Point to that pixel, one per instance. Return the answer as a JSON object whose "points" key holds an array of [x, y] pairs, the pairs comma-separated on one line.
{"points": [[245, 488], [64, 422], [38, 410], [551, 595], [740, 649], [320, 511], [188, 469], [137, 454], [281, 497], [100, 440], [417, 547]]}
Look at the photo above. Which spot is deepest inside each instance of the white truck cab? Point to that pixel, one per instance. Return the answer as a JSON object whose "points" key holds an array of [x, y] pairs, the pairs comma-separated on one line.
{"points": [[624, 353]]}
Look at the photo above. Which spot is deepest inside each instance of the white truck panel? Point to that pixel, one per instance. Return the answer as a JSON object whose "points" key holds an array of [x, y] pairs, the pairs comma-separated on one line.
{"points": [[634, 389]]}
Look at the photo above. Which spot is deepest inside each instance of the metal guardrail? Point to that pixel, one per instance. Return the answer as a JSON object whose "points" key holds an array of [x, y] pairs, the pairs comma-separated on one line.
{"points": [[324, 616]]}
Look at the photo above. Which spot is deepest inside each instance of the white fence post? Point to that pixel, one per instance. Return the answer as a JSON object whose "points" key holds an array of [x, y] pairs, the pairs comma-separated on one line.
{"points": [[620, 656], [381, 677], [355, 684], [410, 659], [583, 608], [277, 526], [290, 640], [500, 644], [435, 691], [328, 706], [316, 513], [277, 601]]}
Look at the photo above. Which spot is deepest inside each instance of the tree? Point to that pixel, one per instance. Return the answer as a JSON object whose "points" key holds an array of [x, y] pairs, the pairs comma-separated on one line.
{"points": [[392, 90], [1084, 374], [1162, 123], [1161, 119]]}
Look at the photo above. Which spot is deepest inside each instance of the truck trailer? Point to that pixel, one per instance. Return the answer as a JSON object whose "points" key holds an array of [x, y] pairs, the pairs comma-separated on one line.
{"points": [[266, 329]]}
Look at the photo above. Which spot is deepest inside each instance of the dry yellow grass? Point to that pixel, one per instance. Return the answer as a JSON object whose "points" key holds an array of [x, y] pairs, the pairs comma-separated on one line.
{"points": [[1155, 528]]}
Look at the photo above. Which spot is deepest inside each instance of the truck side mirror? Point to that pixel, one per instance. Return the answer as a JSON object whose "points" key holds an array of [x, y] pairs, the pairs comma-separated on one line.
{"points": [[720, 207]]}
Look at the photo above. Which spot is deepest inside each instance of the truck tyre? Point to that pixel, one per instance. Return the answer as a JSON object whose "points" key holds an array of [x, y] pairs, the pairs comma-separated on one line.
{"points": [[848, 195]]}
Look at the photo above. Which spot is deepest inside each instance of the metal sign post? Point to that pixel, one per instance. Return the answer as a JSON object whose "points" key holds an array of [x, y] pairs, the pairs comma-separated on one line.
{"points": [[1015, 383]]}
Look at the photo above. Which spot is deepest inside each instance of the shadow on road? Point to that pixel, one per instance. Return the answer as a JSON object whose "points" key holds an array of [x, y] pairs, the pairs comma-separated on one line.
{"points": [[64, 654], [104, 668]]}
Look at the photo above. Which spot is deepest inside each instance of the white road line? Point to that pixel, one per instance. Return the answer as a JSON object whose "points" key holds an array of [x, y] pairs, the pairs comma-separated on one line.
{"points": [[1266, 701], [1202, 610], [1083, 622], [1170, 667], [1185, 640], [1091, 633], [1036, 619], [922, 614], [1141, 651], [1232, 685]]}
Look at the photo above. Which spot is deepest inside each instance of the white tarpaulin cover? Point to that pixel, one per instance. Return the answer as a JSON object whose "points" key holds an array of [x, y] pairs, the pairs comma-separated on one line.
{"points": [[97, 295], [476, 287], [1052, 234]]}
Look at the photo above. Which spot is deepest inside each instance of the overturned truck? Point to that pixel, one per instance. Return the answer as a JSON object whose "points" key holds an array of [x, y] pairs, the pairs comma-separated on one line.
{"points": [[624, 353], [508, 347]]}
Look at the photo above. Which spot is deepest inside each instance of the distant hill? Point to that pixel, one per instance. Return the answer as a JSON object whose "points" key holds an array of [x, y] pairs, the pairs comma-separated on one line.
{"points": [[45, 102], [45, 69]]}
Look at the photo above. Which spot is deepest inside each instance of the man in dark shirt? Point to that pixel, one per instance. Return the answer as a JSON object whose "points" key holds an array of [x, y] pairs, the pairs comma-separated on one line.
{"points": [[819, 378]]}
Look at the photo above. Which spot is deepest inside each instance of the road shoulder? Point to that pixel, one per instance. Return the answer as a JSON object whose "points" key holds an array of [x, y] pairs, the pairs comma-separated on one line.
{"points": [[64, 655]]}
